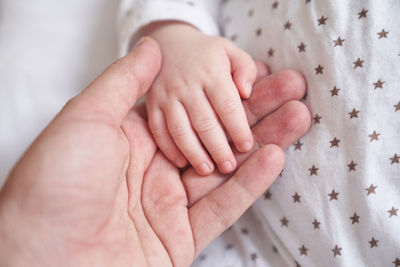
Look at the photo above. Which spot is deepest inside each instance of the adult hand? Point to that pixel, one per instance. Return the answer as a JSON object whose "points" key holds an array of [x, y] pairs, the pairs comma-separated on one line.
{"points": [[93, 190]]}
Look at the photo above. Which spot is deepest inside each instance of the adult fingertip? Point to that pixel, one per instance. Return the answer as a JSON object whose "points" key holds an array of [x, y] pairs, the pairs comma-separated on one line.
{"points": [[300, 117], [272, 155]]}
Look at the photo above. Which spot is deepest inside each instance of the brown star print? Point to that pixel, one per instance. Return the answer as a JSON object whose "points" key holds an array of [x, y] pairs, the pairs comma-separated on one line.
{"points": [[396, 262], [338, 42], [333, 195], [275, 5], [371, 189], [229, 246], [303, 250], [267, 195], [354, 218], [358, 63], [274, 249], [297, 264], [287, 25], [319, 70], [352, 166], [397, 107], [335, 91], [378, 84], [316, 224], [374, 136], [296, 197], [302, 47], [373, 242], [313, 170], [354, 113], [251, 12], [395, 159], [308, 1], [335, 142], [322, 20], [253, 256], [297, 145], [284, 222], [258, 32], [382, 34], [362, 13], [233, 37], [336, 251], [317, 118], [271, 52], [392, 212], [245, 231]]}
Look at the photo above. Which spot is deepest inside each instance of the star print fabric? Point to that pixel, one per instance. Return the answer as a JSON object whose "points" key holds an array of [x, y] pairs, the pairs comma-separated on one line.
{"points": [[337, 202]]}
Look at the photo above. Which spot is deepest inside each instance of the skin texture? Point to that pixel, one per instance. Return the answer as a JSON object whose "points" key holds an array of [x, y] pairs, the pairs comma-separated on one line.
{"points": [[94, 190], [197, 96]]}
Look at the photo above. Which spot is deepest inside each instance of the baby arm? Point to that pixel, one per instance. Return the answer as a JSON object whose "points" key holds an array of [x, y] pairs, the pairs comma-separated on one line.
{"points": [[196, 96]]}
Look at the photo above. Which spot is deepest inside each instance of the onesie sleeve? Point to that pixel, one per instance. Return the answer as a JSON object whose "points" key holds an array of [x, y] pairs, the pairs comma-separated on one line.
{"points": [[134, 14]]}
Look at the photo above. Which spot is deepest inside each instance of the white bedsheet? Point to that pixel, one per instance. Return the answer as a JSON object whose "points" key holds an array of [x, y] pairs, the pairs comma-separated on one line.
{"points": [[49, 51]]}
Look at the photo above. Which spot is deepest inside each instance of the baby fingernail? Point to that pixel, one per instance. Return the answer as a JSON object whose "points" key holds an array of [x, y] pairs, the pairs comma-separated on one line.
{"points": [[180, 163], [226, 166], [248, 88], [204, 168], [245, 147]]}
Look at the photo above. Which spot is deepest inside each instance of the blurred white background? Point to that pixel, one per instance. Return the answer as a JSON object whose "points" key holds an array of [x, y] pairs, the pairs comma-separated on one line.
{"points": [[49, 51]]}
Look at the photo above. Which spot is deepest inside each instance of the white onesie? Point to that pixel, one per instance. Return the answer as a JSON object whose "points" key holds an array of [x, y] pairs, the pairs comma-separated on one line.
{"points": [[337, 202]]}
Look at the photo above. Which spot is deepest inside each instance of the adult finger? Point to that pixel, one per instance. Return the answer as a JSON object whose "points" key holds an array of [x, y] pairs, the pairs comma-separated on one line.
{"points": [[283, 127], [262, 70], [213, 214], [116, 90], [271, 92]]}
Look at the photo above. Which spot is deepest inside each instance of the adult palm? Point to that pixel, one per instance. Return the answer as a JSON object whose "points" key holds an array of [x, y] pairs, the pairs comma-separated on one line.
{"points": [[93, 190]]}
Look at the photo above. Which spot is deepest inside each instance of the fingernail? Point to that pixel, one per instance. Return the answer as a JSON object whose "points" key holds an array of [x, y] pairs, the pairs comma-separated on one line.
{"points": [[180, 163], [141, 41], [248, 88], [204, 168], [226, 166], [245, 147]]}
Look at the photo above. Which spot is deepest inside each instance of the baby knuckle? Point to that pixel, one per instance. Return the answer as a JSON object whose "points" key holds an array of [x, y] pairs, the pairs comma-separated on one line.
{"points": [[218, 151], [179, 131], [230, 106], [205, 125], [156, 131]]}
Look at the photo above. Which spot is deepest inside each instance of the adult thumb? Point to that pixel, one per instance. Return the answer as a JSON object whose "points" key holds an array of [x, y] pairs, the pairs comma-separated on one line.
{"points": [[118, 88]]}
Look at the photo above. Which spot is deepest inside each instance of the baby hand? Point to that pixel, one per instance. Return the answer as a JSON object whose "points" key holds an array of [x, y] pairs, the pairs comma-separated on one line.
{"points": [[196, 95]]}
